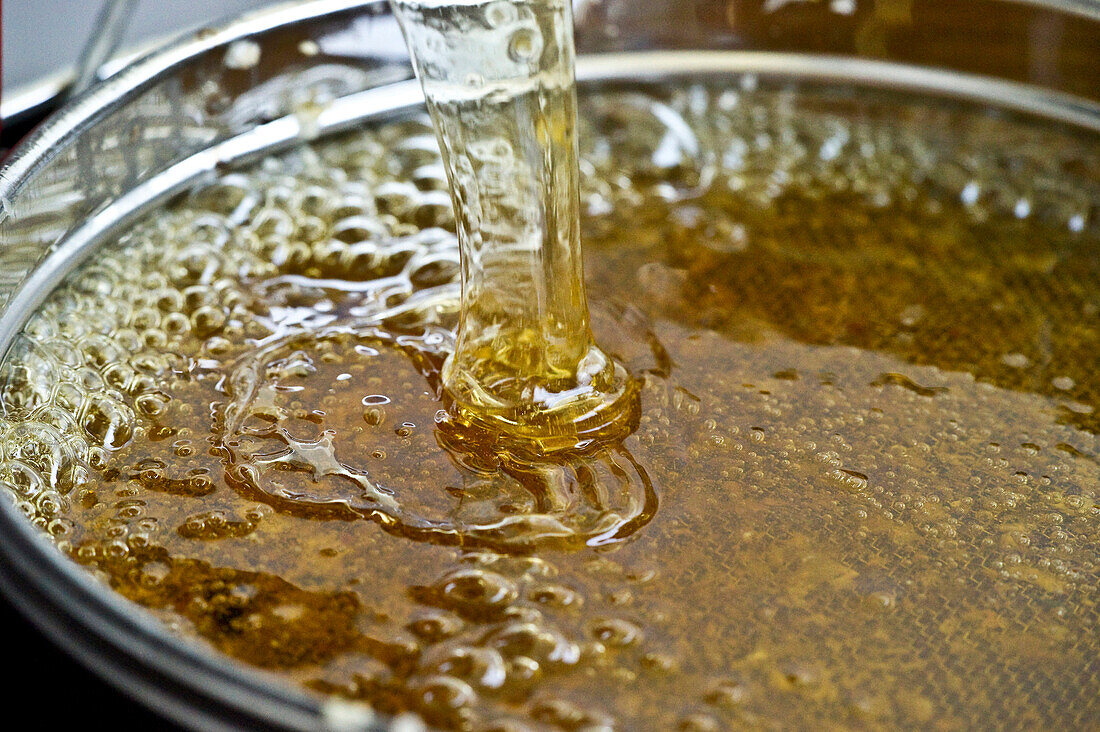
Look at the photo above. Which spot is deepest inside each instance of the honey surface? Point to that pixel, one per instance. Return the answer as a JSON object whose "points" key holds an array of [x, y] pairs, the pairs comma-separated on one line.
{"points": [[862, 487]]}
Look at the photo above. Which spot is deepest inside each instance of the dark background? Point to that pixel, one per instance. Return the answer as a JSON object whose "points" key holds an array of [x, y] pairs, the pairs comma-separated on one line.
{"points": [[59, 693]]}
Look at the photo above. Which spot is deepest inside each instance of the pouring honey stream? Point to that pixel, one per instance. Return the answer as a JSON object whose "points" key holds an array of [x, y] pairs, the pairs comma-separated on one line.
{"points": [[498, 78]]}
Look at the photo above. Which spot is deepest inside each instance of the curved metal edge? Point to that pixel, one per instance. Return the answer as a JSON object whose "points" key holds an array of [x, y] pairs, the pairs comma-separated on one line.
{"points": [[75, 619], [24, 100], [1008, 95]]}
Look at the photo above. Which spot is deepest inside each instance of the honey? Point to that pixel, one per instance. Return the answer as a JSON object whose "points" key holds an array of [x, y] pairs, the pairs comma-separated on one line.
{"points": [[498, 80], [860, 488]]}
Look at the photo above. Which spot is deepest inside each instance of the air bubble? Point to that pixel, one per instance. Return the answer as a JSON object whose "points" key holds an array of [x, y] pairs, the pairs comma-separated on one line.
{"points": [[524, 46], [483, 668], [106, 421], [435, 626], [616, 633], [440, 696]]}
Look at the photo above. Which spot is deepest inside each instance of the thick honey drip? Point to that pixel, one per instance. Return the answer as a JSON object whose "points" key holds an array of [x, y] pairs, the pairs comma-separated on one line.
{"points": [[498, 79]]}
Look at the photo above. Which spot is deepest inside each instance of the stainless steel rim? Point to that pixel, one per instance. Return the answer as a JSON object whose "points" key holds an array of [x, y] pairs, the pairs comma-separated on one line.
{"points": [[24, 99]]}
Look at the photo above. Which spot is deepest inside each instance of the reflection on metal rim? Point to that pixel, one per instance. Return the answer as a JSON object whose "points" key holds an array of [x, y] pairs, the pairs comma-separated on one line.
{"points": [[883, 74], [25, 99]]}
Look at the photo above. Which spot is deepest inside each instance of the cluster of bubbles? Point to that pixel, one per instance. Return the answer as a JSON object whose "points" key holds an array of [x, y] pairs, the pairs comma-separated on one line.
{"points": [[759, 143], [488, 630], [96, 364]]}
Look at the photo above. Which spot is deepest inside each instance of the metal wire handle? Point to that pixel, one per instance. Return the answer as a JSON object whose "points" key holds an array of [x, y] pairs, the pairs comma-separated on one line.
{"points": [[106, 35]]}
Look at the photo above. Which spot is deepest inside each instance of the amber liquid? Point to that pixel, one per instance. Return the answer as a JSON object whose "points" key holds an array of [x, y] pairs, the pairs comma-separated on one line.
{"points": [[861, 490], [498, 81]]}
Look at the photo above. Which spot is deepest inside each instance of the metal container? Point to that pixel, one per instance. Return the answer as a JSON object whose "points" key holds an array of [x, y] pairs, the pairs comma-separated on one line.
{"points": [[271, 79]]}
